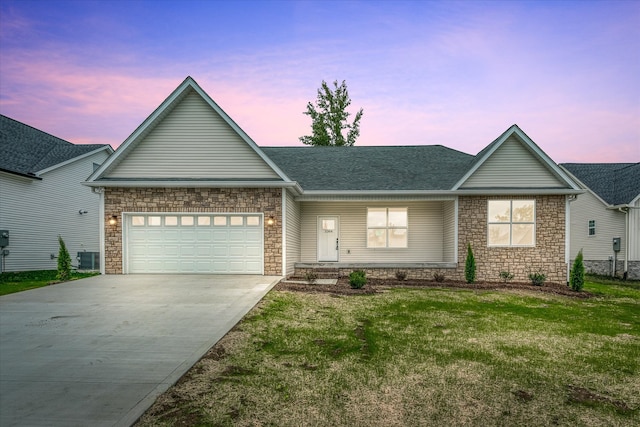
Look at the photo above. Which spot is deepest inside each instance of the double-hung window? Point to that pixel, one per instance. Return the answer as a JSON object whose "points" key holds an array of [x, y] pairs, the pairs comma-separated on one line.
{"points": [[592, 227], [387, 227], [511, 223]]}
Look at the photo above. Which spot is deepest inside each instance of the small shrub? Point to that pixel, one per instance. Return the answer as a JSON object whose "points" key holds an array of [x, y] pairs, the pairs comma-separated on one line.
{"points": [[311, 277], [64, 261], [438, 277], [357, 279], [576, 279], [470, 266], [506, 276], [537, 278], [401, 275]]}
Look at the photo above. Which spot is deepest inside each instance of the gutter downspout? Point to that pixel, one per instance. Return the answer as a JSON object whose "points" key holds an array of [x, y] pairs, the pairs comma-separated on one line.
{"points": [[100, 191], [283, 225], [626, 241], [567, 233]]}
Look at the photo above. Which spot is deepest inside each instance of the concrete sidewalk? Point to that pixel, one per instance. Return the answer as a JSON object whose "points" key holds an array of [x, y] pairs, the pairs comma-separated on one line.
{"points": [[98, 351]]}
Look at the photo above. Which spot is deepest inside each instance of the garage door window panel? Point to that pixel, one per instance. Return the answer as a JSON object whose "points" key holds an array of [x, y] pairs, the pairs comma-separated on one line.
{"points": [[137, 221]]}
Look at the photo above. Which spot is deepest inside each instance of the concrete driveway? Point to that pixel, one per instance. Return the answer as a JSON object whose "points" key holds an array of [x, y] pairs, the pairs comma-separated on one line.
{"points": [[98, 351]]}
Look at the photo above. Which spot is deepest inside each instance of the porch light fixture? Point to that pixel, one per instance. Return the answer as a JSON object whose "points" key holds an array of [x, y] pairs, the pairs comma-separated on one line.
{"points": [[113, 220], [271, 221]]}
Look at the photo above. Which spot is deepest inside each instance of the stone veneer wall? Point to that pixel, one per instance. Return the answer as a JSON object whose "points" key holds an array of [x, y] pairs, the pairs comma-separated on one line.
{"points": [[548, 255], [605, 267], [259, 200]]}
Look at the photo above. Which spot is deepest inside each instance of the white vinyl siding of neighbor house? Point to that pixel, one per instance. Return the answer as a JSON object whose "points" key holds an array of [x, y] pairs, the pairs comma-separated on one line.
{"points": [[512, 165], [36, 211], [192, 141], [609, 224], [292, 233], [425, 232]]}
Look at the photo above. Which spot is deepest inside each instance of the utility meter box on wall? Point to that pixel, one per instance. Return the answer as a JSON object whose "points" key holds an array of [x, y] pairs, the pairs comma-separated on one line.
{"points": [[616, 244], [4, 238]]}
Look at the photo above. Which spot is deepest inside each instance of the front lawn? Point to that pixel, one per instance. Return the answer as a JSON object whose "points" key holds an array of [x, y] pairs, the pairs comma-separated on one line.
{"points": [[420, 357], [24, 280]]}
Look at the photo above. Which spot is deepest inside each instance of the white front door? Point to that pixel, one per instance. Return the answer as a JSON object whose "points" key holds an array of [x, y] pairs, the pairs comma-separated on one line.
{"points": [[328, 238]]}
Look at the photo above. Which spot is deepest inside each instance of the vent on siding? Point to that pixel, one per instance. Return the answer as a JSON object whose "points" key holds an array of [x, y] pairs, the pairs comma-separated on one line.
{"points": [[88, 260]]}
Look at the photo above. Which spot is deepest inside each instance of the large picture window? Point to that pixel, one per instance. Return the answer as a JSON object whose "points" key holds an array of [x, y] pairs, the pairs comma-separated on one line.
{"points": [[387, 227], [511, 223]]}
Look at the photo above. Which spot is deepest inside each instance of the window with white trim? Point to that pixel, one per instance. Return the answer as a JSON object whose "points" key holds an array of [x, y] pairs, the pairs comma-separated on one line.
{"points": [[592, 227], [511, 223], [387, 227]]}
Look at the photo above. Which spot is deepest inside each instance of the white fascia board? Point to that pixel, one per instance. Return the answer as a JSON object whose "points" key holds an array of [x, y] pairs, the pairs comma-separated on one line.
{"points": [[355, 196], [433, 195], [75, 159], [20, 176], [519, 191], [192, 184]]}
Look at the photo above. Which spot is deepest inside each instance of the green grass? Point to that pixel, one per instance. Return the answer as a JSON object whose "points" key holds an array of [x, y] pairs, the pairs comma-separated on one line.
{"points": [[25, 280], [420, 357]]}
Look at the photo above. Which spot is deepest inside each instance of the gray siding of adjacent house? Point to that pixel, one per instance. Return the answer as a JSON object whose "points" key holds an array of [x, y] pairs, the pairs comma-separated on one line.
{"points": [[292, 233], [192, 141], [426, 232], [36, 211], [609, 224], [512, 165]]}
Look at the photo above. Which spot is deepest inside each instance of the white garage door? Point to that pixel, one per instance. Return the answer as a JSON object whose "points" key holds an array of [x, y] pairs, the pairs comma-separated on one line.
{"points": [[193, 243]]}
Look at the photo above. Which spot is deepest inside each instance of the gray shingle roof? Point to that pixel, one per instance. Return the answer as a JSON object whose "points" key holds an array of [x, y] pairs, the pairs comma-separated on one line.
{"points": [[26, 150], [615, 183], [424, 167]]}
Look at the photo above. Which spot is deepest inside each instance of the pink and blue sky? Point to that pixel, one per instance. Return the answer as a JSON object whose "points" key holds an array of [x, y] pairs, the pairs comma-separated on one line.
{"points": [[456, 73]]}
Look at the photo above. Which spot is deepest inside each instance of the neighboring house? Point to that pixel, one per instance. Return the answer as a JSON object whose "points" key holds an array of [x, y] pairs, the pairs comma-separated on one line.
{"points": [[42, 196], [190, 192], [609, 210]]}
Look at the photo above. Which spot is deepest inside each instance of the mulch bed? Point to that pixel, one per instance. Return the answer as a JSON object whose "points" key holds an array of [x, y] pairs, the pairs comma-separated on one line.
{"points": [[375, 286]]}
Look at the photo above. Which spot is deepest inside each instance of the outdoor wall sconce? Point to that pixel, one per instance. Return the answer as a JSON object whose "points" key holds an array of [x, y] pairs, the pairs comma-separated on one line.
{"points": [[113, 220], [271, 221]]}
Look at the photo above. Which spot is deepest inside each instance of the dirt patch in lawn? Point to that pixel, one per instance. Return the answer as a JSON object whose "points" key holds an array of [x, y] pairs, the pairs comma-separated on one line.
{"points": [[375, 286]]}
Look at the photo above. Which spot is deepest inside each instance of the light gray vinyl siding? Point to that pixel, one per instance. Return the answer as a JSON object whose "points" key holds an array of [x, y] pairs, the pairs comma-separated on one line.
{"points": [[192, 141], [292, 233], [425, 232], [449, 232], [609, 224], [512, 165], [36, 212]]}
